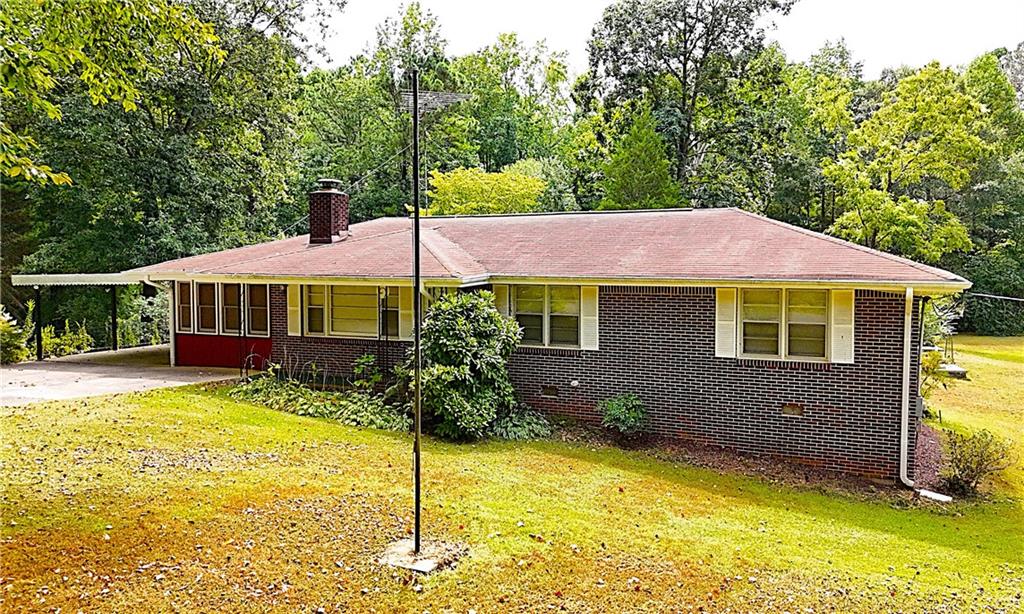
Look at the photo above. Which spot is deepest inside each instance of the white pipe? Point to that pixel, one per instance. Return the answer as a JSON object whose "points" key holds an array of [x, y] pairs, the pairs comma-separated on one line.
{"points": [[908, 321]]}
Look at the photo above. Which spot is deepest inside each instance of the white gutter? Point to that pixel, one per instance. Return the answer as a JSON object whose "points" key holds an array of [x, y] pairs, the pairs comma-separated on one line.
{"points": [[908, 320]]}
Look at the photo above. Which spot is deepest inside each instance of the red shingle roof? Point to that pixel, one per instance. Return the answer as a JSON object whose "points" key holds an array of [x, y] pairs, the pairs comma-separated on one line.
{"points": [[685, 245]]}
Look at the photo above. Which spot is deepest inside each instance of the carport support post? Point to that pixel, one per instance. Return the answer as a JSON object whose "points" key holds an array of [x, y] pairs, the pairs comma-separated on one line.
{"points": [[113, 318], [39, 323]]}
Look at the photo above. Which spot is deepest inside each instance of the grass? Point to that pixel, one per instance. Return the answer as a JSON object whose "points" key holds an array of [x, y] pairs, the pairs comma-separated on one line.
{"points": [[184, 499], [992, 398]]}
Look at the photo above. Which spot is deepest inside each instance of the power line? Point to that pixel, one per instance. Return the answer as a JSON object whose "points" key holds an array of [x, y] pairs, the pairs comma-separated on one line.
{"points": [[996, 296]]}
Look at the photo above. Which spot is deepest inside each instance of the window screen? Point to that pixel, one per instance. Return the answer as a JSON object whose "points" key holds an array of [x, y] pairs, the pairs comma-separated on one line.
{"points": [[529, 310], [184, 306], [806, 318], [206, 307], [316, 306], [564, 315], [354, 311], [258, 309], [231, 308], [761, 314]]}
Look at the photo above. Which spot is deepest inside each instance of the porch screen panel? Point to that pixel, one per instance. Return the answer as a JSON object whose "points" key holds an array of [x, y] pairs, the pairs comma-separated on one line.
{"points": [[354, 311], [206, 307], [231, 308], [258, 309], [184, 306]]}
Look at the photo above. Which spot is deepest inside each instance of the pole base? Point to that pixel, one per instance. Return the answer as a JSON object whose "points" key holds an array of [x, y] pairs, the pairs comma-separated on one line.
{"points": [[433, 556]]}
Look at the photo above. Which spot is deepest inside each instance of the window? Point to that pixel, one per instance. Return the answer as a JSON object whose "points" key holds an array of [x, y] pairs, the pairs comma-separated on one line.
{"points": [[316, 306], [231, 308], [206, 308], [354, 311], [389, 312], [548, 315], [184, 306], [564, 316], [806, 318], [761, 317], [258, 309], [529, 310], [784, 323]]}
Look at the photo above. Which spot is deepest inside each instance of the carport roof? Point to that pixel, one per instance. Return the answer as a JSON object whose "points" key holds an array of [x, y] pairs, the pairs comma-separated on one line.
{"points": [[77, 279]]}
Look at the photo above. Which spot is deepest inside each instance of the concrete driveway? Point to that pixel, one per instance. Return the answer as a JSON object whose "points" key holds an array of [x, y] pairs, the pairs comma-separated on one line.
{"points": [[99, 373]]}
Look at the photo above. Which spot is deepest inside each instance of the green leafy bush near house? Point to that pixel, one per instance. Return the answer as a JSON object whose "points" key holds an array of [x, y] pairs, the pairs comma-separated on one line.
{"points": [[973, 457], [521, 425], [354, 408], [466, 347], [13, 339], [625, 413]]}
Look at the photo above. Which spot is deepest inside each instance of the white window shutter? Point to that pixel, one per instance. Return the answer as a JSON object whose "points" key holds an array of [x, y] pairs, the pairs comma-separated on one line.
{"points": [[294, 310], [501, 298], [725, 322], [405, 315], [588, 317], [842, 326]]}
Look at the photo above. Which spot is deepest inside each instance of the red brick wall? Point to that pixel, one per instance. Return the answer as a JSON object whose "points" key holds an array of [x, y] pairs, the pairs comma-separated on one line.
{"points": [[659, 344], [328, 215]]}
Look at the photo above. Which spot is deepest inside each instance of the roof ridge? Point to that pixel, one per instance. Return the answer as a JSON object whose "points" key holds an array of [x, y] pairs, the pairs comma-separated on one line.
{"points": [[307, 245], [824, 237], [581, 212], [435, 234]]}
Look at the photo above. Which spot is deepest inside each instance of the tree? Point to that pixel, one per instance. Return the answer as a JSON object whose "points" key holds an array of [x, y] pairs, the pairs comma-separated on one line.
{"points": [[925, 136], [683, 54], [637, 175], [557, 195], [108, 47], [473, 191]]}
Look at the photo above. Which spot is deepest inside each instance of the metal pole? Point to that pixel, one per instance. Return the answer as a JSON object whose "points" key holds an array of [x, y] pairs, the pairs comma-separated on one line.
{"points": [[113, 318], [416, 299], [39, 323]]}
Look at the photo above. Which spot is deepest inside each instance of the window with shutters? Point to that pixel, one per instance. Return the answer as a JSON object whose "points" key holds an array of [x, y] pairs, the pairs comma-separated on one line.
{"points": [[206, 308], [316, 309], [389, 312], [184, 299], [548, 315], [354, 311], [258, 310], [231, 308], [806, 323], [777, 323]]}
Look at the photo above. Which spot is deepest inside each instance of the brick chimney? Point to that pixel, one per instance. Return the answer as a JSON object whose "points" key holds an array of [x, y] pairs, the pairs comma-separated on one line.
{"points": [[328, 213]]}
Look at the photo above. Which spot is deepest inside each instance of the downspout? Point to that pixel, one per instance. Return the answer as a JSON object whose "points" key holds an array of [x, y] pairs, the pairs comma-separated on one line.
{"points": [[908, 321]]}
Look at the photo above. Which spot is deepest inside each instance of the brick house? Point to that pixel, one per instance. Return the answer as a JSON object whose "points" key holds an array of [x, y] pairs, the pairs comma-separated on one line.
{"points": [[735, 329]]}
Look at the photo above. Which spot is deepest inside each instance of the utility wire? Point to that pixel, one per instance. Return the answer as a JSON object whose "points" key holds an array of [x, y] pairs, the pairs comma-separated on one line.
{"points": [[1003, 298]]}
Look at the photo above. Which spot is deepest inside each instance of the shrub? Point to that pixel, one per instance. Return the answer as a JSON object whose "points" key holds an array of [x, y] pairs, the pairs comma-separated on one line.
{"points": [[466, 347], [520, 425], [355, 408], [367, 373], [973, 457], [13, 339], [625, 413], [73, 341]]}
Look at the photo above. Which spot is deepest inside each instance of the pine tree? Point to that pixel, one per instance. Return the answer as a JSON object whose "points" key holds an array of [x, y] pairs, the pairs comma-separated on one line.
{"points": [[638, 176]]}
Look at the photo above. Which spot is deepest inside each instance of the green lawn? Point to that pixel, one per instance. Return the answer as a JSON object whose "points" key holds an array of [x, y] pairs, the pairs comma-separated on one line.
{"points": [[187, 500], [992, 397]]}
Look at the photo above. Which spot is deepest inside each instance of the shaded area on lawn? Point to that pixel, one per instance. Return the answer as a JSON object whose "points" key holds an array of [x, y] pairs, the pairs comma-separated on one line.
{"points": [[238, 507]]}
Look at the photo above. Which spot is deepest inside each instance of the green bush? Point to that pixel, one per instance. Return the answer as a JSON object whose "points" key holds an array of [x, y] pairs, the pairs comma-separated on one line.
{"points": [[355, 408], [625, 413], [13, 339], [73, 341], [971, 458], [521, 424], [466, 347]]}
